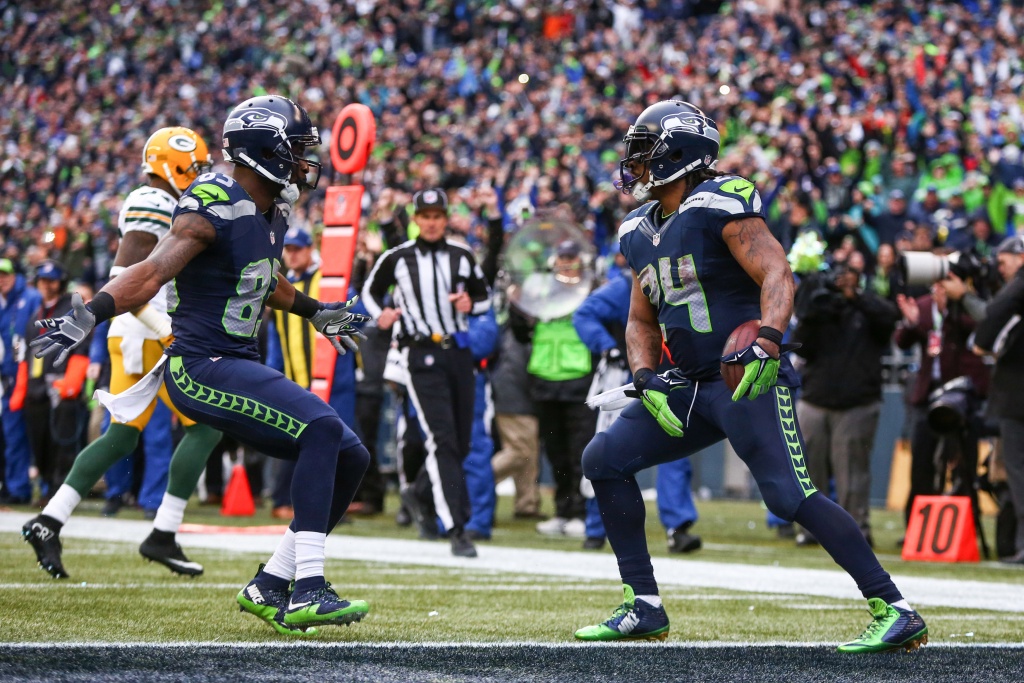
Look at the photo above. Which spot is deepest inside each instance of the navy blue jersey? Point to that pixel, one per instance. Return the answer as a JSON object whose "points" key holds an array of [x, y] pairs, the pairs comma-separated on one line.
{"points": [[685, 268], [216, 303]]}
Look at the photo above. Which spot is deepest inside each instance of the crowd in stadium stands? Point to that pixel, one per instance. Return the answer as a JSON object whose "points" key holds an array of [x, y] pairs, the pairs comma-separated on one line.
{"points": [[866, 124]]}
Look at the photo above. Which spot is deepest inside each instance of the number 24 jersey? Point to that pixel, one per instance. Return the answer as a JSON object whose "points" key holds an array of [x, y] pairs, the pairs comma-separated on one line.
{"points": [[685, 268]]}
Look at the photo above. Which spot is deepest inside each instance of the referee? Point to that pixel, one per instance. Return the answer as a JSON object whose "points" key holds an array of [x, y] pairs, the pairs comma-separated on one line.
{"points": [[437, 284]]}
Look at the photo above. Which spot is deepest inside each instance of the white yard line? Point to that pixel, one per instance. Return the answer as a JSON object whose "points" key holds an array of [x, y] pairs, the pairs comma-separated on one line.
{"points": [[459, 645], [999, 596]]}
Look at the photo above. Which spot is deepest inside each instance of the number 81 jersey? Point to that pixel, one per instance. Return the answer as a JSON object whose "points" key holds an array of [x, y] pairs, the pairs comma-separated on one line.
{"points": [[216, 301], [689, 275]]}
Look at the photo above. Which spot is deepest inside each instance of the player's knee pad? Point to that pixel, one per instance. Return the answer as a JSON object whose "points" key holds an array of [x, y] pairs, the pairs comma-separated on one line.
{"points": [[595, 459]]}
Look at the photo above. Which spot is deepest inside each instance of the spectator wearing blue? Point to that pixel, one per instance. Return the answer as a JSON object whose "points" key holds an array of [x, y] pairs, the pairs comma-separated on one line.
{"points": [[18, 302], [290, 349], [483, 341], [601, 324]]}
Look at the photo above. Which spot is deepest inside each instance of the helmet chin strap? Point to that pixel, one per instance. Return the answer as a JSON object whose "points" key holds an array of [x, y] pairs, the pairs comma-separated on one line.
{"points": [[290, 193], [642, 193]]}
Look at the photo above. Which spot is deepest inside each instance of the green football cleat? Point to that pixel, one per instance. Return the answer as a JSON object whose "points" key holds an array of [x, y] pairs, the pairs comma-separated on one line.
{"points": [[632, 620], [323, 606], [892, 628], [269, 605]]}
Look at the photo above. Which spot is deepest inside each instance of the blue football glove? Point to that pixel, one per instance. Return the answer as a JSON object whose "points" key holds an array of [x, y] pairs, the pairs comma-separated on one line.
{"points": [[760, 370], [61, 335], [654, 390], [335, 322]]}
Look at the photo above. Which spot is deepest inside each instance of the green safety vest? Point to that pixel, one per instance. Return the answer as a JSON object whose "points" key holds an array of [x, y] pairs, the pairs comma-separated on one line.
{"points": [[558, 353]]}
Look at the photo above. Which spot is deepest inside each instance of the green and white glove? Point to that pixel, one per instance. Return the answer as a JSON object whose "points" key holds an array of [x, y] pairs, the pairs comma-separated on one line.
{"points": [[654, 390], [760, 370]]}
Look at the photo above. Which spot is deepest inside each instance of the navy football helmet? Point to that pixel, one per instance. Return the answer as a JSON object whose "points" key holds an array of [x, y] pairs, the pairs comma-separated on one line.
{"points": [[672, 139], [270, 135]]}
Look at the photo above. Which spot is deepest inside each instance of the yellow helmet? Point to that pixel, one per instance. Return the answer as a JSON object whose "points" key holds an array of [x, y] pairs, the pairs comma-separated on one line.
{"points": [[178, 155]]}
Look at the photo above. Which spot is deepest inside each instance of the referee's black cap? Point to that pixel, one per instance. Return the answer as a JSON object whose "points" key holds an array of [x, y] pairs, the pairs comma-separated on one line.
{"points": [[434, 198]]}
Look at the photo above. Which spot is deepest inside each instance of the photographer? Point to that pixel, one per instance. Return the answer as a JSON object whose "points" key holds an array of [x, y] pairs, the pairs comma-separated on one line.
{"points": [[1000, 334], [940, 323], [845, 331]]}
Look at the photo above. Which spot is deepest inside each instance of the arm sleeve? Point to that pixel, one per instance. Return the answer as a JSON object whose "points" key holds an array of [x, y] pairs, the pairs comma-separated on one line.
{"points": [[495, 242], [377, 284], [1008, 302], [478, 290], [590, 320]]}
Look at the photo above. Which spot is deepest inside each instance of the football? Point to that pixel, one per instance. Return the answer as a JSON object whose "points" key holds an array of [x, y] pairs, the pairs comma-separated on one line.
{"points": [[742, 337]]}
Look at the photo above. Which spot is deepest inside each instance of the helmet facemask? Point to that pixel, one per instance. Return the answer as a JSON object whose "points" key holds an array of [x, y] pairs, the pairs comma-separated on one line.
{"points": [[641, 147], [292, 152]]}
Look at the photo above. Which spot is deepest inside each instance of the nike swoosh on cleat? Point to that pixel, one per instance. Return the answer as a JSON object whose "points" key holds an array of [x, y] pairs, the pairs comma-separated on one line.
{"points": [[183, 565], [299, 605]]}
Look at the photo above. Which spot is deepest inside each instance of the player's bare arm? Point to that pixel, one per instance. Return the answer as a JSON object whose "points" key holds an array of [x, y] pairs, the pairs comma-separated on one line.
{"points": [[643, 333], [190, 234], [284, 295], [134, 247], [763, 258]]}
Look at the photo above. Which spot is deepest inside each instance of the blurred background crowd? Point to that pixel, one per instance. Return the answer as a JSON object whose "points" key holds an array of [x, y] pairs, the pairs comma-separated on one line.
{"points": [[870, 128]]}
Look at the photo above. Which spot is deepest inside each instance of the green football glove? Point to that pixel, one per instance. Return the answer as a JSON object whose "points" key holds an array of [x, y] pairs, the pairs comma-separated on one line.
{"points": [[760, 371], [654, 390]]}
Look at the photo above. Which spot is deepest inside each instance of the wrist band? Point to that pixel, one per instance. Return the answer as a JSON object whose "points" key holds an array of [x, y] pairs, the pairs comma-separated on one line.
{"points": [[771, 334], [304, 306], [102, 307], [641, 376]]}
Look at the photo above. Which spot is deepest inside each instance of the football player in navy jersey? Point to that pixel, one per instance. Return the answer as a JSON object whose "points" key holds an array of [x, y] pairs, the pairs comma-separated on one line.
{"points": [[705, 263], [223, 253]]}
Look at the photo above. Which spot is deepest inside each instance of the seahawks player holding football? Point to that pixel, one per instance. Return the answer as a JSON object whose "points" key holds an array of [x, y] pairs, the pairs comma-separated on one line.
{"points": [[172, 158], [704, 263], [223, 252]]}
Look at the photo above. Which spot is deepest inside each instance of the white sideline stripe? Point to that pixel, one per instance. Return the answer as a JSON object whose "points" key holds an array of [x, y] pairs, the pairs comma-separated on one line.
{"points": [[751, 578], [457, 645]]}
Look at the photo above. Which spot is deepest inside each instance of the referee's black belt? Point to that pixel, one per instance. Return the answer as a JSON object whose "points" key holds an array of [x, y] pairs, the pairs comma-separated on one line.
{"points": [[433, 341]]}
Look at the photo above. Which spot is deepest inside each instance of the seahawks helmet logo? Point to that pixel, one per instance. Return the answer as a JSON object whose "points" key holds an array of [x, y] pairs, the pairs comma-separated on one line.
{"points": [[257, 117], [689, 123]]}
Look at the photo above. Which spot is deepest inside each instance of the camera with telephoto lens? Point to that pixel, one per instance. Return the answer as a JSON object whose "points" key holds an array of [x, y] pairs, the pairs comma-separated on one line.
{"points": [[952, 406], [825, 296], [925, 268]]}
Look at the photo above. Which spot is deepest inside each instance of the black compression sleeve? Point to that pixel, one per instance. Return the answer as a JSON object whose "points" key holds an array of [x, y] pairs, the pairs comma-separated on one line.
{"points": [[102, 306], [304, 306]]}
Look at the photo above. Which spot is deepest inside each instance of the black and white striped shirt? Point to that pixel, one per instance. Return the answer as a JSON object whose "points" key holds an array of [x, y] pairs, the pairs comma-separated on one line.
{"points": [[423, 275]]}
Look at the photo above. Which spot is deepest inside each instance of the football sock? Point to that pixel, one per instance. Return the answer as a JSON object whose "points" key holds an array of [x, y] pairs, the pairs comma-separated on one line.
{"points": [[118, 441], [841, 538], [903, 604], [170, 513], [281, 564], [62, 504], [652, 600], [309, 560], [315, 469], [352, 464], [189, 460], [623, 513]]}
